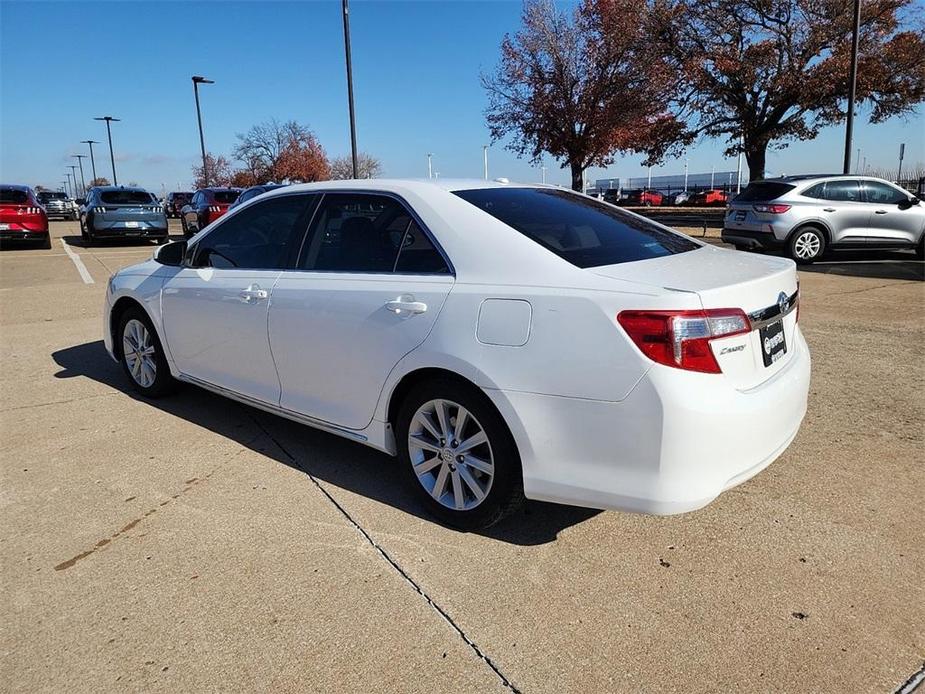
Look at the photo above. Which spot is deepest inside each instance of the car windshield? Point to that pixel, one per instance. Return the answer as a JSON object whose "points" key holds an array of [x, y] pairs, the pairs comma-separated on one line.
{"points": [[12, 196], [579, 229], [225, 196], [126, 197], [45, 196], [763, 191]]}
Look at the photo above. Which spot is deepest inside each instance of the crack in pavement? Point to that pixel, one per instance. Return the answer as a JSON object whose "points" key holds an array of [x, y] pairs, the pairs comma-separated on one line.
{"points": [[59, 402], [879, 286], [505, 681]]}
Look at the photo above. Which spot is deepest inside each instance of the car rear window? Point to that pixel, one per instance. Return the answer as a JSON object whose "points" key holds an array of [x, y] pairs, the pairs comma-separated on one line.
{"points": [[126, 197], [763, 191], [182, 196], [225, 196], [11, 196], [581, 230]]}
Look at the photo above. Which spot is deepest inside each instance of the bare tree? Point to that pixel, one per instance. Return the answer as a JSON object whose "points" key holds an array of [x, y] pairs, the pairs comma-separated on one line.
{"points": [[275, 151], [367, 167]]}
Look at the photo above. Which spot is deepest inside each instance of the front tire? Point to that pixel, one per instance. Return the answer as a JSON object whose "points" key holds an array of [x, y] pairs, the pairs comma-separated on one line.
{"points": [[457, 455], [806, 245], [142, 355]]}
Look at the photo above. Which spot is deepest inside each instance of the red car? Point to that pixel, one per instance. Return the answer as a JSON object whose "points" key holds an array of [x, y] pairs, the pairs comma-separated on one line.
{"points": [[646, 198], [22, 218], [207, 205], [710, 197]]}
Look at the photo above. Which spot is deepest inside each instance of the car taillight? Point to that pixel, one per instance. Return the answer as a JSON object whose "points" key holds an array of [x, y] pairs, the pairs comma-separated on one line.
{"points": [[773, 209], [681, 339], [214, 208], [99, 210]]}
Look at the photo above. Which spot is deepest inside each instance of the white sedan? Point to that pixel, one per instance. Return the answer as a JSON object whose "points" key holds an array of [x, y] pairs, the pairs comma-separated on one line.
{"points": [[504, 341]]}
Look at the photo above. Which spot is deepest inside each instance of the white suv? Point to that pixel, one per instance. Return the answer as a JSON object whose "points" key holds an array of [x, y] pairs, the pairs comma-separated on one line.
{"points": [[805, 215]]}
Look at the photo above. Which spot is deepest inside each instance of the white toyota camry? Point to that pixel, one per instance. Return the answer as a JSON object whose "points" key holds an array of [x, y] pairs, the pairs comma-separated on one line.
{"points": [[502, 340]]}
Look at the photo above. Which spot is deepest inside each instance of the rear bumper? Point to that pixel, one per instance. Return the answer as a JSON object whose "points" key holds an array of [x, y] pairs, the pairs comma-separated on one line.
{"points": [[672, 446], [121, 229], [751, 239], [21, 234]]}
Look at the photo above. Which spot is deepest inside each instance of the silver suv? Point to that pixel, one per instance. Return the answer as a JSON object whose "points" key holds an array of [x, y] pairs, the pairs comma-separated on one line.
{"points": [[805, 215]]}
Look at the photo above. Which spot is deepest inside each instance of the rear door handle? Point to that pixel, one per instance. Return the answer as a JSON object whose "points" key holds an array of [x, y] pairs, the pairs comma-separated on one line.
{"points": [[406, 304], [880, 212], [253, 293]]}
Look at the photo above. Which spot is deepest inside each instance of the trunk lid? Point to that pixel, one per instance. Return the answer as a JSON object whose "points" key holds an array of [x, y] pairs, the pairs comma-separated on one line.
{"points": [[758, 285]]}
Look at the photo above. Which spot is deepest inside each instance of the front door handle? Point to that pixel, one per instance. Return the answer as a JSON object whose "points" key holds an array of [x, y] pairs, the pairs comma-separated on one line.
{"points": [[253, 293], [880, 212], [828, 209], [406, 304]]}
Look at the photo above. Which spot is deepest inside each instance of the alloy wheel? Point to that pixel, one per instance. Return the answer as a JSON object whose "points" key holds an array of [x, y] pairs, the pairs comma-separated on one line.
{"points": [[450, 454], [139, 353], [807, 245]]}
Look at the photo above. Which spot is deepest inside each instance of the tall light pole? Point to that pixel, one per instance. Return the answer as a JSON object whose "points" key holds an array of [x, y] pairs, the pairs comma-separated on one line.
{"points": [[90, 143], [543, 169], [353, 125], [430, 165], [739, 165], [899, 171], [649, 179], [852, 85], [112, 158], [68, 188], [197, 80], [685, 175], [857, 161], [65, 186], [485, 160], [73, 169], [80, 160]]}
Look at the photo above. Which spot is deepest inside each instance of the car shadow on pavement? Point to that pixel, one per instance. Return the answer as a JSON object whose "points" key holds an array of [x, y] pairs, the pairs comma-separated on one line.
{"points": [[328, 458], [887, 265]]}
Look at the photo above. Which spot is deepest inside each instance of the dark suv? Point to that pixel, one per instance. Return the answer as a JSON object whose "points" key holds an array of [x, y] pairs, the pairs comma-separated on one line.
{"points": [[207, 205], [120, 212], [175, 202]]}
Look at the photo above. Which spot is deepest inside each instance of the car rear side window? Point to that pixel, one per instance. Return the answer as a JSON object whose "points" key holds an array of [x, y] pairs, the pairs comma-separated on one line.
{"points": [[842, 191], [361, 232], [259, 237], [581, 230], [763, 191], [126, 197]]}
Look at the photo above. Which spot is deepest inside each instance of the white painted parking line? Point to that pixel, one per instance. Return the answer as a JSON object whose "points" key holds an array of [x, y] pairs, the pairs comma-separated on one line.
{"points": [[78, 263]]}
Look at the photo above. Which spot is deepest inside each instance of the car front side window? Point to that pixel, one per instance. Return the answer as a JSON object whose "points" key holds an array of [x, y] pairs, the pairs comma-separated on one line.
{"points": [[882, 194], [260, 237]]}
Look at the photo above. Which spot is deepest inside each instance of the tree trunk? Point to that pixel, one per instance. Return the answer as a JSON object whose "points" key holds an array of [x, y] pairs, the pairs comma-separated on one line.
{"points": [[755, 156], [577, 177]]}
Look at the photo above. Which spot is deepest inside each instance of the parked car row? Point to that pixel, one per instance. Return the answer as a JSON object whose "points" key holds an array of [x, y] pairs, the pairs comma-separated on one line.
{"points": [[645, 197]]}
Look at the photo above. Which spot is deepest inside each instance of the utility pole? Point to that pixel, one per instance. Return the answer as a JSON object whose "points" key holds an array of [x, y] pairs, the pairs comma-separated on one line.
{"points": [[685, 175], [112, 158], [899, 171], [353, 126], [92, 160], [80, 160], [543, 169], [739, 166], [430, 165], [649, 183], [712, 174], [852, 85], [197, 80], [485, 160], [857, 162]]}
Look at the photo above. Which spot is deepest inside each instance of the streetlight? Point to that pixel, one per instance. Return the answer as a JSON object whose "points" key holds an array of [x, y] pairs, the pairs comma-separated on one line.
{"points": [[430, 165], [68, 188], [73, 169], [852, 85], [685, 175], [92, 160], [485, 160], [197, 80], [80, 160], [65, 186], [353, 125], [112, 158], [543, 169]]}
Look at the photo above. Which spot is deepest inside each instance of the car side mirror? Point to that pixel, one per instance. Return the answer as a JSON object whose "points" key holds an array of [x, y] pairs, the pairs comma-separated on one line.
{"points": [[909, 202], [171, 253]]}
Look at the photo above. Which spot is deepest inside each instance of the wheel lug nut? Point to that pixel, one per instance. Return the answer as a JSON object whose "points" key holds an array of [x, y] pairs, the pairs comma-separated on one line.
{"points": [[442, 442], [454, 443], [460, 458]]}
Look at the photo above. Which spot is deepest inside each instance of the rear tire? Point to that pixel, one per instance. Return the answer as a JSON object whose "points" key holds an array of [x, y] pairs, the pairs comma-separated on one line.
{"points": [[480, 483], [46, 243], [806, 245], [142, 355], [920, 249]]}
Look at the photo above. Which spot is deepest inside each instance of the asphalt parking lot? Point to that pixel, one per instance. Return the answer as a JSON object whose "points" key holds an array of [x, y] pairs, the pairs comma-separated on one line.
{"points": [[193, 543]]}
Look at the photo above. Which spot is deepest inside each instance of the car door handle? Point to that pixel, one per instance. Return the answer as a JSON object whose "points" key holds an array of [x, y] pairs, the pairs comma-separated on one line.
{"points": [[253, 293], [828, 209], [406, 304], [880, 212]]}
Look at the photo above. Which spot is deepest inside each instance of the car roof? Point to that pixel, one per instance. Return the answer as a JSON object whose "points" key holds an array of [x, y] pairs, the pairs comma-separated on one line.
{"points": [[421, 186], [109, 189], [15, 186]]}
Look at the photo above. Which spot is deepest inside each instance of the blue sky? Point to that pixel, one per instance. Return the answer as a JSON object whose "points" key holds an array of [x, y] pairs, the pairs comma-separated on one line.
{"points": [[416, 81]]}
